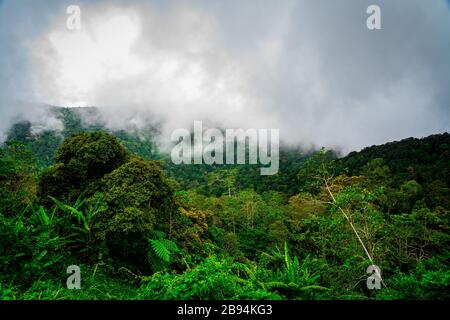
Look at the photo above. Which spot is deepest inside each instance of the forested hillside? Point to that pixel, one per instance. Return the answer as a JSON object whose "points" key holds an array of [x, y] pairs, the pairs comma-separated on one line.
{"points": [[141, 227]]}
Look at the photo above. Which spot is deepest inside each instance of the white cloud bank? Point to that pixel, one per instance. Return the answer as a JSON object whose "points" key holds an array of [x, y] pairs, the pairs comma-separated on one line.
{"points": [[308, 67]]}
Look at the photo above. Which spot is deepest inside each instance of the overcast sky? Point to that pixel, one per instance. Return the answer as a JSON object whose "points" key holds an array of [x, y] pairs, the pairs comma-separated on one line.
{"points": [[310, 68]]}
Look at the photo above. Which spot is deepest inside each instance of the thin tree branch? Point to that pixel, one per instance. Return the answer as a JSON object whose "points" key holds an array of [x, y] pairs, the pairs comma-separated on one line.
{"points": [[347, 217]]}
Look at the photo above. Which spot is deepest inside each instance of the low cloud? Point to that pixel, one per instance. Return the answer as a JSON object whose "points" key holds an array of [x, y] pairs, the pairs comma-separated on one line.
{"points": [[309, 68]]}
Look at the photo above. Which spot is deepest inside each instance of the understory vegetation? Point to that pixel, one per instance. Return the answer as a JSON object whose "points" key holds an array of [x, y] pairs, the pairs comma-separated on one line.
{"points": [[140, 227]]}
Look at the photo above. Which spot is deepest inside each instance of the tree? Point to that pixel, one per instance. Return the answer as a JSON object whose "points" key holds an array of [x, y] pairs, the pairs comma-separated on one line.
{"points": [[91, 155], [82, 160], [139, 199], [311, 172], [17, 178], [222, 180]]}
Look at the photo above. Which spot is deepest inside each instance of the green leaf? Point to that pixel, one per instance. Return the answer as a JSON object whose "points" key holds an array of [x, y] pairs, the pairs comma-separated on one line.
{"points": [[160, 250]]}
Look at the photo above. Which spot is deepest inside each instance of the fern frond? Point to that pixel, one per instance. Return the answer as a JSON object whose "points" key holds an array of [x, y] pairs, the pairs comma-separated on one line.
{"points": [[170, 245], [159, 234], [160, 250]]}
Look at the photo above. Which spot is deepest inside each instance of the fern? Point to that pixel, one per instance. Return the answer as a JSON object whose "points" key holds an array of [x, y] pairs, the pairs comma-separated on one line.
{"points": [[158, 234], [170, 245], [160, 250]]}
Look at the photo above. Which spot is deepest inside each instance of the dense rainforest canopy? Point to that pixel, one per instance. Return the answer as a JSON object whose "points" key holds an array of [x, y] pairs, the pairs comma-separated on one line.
{"points": [[142, 228]]}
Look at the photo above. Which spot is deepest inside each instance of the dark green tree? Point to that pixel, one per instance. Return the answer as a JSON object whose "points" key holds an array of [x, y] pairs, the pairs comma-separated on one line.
{"points": [[81, 161], [139, 200]]}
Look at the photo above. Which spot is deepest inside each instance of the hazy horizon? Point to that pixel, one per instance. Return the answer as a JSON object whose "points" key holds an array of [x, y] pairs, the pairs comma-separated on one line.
{"points": [[309, 68]]}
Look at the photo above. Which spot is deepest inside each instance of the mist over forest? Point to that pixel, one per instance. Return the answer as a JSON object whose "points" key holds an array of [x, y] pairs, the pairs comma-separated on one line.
{"points": [[94, 206], [309, 68]]}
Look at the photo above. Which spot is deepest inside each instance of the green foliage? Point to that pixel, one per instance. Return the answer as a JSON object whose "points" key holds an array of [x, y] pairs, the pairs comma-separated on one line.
{"points": [[225, 179], [80, 222], [91, 155], [138, 183], [429, 280], [213, 279], [311, 173], [82, 160], [96, 284], [17, 178], [218, 232], [422, 160], [290, 278], [30, 248], [161, 251], [138, 197]]}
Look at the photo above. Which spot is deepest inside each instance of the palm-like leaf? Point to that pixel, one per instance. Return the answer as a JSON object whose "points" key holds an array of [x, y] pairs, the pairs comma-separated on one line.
{"points": [[160, 250]]}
